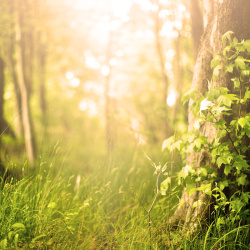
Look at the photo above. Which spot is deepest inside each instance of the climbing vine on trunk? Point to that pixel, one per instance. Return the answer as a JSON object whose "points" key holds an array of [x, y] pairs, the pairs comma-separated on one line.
{"points": [[225, 180]]}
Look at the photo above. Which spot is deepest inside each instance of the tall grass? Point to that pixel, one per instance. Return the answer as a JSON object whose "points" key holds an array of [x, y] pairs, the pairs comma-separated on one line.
{"points": [[51, 210]]}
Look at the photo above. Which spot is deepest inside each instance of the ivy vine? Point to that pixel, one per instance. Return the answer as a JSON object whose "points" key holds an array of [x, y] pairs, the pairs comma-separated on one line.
{"points": [[229, 147]]}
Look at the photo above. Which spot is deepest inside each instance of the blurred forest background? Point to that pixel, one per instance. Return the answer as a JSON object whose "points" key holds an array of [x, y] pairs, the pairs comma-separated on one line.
{"points": [[93, 78]]}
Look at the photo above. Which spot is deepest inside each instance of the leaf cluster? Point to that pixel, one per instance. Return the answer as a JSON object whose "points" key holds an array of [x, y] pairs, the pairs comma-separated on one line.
{"points": [[226, 176]]}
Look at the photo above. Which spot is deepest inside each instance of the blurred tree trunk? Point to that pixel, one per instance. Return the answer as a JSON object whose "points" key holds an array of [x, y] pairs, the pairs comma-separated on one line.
{"points": [[41, 51], [222, 16], [160, 52], [26, 116], [110, 102], [177, 76], [10, 63], [196, 23], [2, 169]]}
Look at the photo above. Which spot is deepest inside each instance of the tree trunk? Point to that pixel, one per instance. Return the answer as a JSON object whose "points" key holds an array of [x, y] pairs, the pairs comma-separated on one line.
{"points": [[26, 116], [220, 17], [110, 102], [160, 52], [2, 169], [196, 23]]}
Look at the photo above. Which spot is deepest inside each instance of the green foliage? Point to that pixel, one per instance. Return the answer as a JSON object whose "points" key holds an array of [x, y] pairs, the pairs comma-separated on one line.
{"points": [[228, 147]]}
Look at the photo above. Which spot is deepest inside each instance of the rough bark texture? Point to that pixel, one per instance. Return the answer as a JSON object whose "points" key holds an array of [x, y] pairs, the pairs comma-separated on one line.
{"points": [[220, 17]]}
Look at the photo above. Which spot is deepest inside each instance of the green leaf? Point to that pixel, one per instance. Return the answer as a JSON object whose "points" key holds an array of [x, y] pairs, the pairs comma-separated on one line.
{"points": [[167, 143], [242, 180], [243, 122], [235, 42], [227, 99], [230, 68], [228, 169], [221, 161], [236, 82], [52, 204], [18, 225], [191, 188], [215, 61], [38, 237], [223, 184], [16, 240], [239, 62], [3, 244], [217, 70], [227, 36], [206, 188], [246, 45], [165, 185], [205, 104], [198, 203], [191, 94], [247, 95], [225, 50], [176, 145], [245, 72]]}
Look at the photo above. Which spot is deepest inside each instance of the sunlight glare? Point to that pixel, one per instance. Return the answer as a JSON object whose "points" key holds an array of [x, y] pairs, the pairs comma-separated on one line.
{"points": [[113, 62], [181, 8], [168, 65], [170, 55], [121, 8], [105, 70], [163, 13], [147, 5], [93, 87], [89, 106], [92, 63], [69, 75], [74, 82], [119, 53], [171, 99]]}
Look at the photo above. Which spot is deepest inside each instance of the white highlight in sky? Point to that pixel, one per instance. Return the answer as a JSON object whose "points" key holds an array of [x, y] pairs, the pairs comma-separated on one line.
{"points": [[181, 8], [171, 99], [105, 70], [113, 62], [121, 8], [89, 106], [92, 63], [69, 75], [75, 82], [168, 65]]}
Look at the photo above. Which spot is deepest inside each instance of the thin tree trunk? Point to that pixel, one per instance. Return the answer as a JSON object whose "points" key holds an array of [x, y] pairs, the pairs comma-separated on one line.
{"points": [[221, 17], [1, 100], [26, 116], [110, 126], [10, 62], [177, 76], [196, 23], [160, 52], [2, 168]]}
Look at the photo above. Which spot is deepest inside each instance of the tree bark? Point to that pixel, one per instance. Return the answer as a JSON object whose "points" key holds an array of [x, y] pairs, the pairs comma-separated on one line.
{"points": [[220, 17], [26, 116]]}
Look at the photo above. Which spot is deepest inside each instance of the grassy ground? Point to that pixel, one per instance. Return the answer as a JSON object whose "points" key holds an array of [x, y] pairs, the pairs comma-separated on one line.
{"points": [[56, 208]]}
